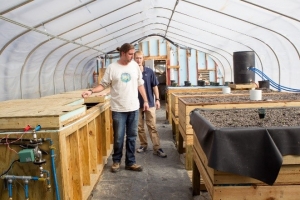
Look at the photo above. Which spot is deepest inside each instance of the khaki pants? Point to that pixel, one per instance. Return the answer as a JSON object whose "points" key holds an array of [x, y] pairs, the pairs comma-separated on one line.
{"points": [[150, 118]]}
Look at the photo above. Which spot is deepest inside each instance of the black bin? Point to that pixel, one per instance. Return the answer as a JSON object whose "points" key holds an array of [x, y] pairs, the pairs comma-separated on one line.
{"points": [[264, 84], [242, 60]]}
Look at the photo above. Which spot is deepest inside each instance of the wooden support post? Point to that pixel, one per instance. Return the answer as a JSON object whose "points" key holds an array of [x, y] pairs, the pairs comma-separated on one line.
{"points": [[197, 64], [149, 52], [64, 157], [93, 155], [103, 134], [178, 72], [188, 156], [195, 180], [180, 144], [158, 47], [111, 129], [75, 171], [187, 65], [84, 155], [99, 141], [107, 129]]}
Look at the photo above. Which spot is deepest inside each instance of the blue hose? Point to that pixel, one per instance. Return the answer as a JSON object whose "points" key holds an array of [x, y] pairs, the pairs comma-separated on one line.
{"points": [[48, 176], [26, 190], [9, 188], [53, 169], [272, 83]]}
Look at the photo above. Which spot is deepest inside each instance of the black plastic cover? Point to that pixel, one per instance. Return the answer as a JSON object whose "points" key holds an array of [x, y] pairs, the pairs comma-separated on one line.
{"points": [[253, 151]]}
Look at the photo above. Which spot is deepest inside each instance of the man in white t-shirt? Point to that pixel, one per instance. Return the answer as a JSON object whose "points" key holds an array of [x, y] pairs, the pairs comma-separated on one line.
{"points": [[124, 77]]}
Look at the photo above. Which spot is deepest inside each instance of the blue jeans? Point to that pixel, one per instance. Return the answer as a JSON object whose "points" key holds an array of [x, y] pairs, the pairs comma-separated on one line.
{"points": [[125, 122]]}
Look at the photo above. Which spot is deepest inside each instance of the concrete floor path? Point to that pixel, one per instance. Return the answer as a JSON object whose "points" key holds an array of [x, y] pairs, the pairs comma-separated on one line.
{"points": [[161, 178]]}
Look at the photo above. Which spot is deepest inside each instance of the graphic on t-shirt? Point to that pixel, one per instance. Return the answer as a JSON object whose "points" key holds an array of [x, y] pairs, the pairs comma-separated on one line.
{"points": [[125, 77]]}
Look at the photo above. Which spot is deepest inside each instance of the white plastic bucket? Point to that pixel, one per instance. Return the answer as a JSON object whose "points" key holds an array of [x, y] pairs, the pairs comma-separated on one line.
{"points": [[226, 90], [255, 95]]}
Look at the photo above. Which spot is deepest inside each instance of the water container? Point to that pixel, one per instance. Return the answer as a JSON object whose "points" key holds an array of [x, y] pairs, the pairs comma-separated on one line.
{"points": [[201, 83], [241, 62], [264, 84]]}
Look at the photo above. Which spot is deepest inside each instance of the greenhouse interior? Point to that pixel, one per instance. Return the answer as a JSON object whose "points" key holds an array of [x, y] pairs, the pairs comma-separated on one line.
{"points": [[224, 93]]}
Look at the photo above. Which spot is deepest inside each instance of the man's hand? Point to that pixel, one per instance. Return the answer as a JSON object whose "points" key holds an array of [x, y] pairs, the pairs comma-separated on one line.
{"points": [[146, 106], [157, 105], [86, 93]]}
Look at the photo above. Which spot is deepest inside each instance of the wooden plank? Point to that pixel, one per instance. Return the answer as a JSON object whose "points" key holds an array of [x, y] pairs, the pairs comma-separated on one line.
{"points": [[107, 129], [188, 156], [74, 167], [75, 150], [64, 182], [206, 179], [155, 57], [99, 97], [246, 192], [173, 67], [99, 140], [290, 192], [92, 139], [195, 179], [172, 90], [51, 117], [104, 135], [84, 146], [243, 86]]}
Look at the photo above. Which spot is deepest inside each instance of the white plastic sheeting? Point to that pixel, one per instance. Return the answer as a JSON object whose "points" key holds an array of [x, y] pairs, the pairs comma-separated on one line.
{"points": [[48, 47]]}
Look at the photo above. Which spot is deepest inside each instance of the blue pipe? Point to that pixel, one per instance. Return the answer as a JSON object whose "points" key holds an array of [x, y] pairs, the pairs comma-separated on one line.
{"points": [[53, 168], [9, 188], [26, 189], [275, 85], [272, 83], [48, 178], [10, 179]]}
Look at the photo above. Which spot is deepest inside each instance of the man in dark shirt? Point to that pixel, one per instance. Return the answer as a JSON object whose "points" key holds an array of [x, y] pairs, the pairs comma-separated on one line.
{"points": [[150, 84]]}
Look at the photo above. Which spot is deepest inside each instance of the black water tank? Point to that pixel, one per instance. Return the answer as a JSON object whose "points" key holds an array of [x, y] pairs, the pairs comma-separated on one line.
{"points": [[241, 61]]}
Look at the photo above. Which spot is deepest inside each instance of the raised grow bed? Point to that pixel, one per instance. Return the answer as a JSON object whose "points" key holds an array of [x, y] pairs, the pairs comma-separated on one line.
{"points": [[242, 156], [187, 104]]}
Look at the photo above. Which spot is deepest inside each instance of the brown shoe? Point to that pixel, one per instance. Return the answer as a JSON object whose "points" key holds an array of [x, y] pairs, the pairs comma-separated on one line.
{"points": [[134, 167], [115, 167]]}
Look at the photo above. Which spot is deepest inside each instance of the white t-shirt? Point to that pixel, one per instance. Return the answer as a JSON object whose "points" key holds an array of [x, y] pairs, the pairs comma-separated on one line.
{"points": [[124, 82]]}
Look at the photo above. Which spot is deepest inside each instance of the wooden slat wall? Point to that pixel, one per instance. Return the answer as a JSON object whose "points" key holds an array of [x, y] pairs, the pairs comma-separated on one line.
{"points": [[81, 150]]}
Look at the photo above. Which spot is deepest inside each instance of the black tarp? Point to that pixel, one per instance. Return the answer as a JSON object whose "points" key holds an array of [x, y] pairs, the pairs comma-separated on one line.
{"points": [[253, 151]]}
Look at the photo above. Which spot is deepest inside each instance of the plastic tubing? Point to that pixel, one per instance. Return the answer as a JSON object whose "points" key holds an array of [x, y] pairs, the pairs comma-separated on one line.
{"points": [[10, 178], [53, 168], [9, 188], [273, 84], [48, 176], [26, 189]]}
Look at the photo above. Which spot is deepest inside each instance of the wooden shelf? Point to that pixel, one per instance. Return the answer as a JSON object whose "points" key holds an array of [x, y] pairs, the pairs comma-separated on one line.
{"points": [[203, 75]]}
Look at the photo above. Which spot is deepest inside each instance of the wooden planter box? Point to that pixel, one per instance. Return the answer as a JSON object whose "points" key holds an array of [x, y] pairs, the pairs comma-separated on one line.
{"points": [[227, 186], [171, 90], [99, 97], [185, 107], [81, 147], [50, 113], [174, 105]]}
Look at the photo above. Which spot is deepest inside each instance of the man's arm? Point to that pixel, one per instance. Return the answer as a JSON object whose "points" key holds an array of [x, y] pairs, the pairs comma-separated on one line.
{"points": [[142, 91], [156, 95], [87, 93]]}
